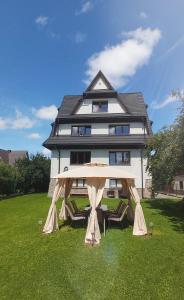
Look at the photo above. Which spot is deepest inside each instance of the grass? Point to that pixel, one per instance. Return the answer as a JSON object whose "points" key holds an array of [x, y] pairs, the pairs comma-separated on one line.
{"points": [[60, 266]]}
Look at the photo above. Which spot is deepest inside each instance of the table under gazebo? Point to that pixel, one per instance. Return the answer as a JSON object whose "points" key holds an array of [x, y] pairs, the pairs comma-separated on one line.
{"points": [[95, 175]]}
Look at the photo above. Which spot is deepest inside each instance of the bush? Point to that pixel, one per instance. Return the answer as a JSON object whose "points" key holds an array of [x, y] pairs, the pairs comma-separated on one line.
{"points": [[8, 179], [33, 173]]}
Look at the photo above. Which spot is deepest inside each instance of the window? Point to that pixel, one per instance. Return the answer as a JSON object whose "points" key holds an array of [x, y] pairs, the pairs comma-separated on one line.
{"points": [[57, 130], [112, 183], [81, 157], [181, 185], [81, 183], [100, 106], [119, 129], [119, 157], [115, 183], [81, 130]]}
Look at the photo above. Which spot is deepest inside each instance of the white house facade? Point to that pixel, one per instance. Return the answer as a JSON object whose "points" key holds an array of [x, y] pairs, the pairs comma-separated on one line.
{"points": [[101, 125]]}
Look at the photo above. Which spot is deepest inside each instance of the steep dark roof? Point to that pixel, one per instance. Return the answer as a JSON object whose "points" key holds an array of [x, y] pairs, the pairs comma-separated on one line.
{"points": [[68, 104], [97, 77], [133, 103]]}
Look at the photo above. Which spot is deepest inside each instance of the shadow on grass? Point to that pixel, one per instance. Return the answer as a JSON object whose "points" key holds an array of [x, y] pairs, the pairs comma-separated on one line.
{"points": [[172, 209], [80, 224]]}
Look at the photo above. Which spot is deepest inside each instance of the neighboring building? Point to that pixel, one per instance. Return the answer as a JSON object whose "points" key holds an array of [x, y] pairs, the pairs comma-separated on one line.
{"points": [[101, 125], [10, 156], [178, 184]]}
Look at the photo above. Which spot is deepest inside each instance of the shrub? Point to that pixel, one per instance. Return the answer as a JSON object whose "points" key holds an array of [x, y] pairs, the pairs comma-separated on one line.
{"points": [[8, 179]]}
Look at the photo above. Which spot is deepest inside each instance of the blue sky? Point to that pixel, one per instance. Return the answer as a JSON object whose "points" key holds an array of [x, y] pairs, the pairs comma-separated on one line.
{"points": [[52, 48]]}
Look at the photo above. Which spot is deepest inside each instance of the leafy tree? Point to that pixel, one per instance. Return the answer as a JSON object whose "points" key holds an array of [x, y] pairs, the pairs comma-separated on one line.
{"points": [[165, 151], [33, 173], [8, 179], [24, 174], [40, 173], [162, 158]]}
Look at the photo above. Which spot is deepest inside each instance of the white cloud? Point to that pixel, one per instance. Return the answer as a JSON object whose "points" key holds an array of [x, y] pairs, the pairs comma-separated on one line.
{"points": [[46, 112], [80, 37], [86, 7], [3, 123], [46, 152], [20, 121], [120, 62], [143, 15], [173, 97], [34, 136], [42, 20]]}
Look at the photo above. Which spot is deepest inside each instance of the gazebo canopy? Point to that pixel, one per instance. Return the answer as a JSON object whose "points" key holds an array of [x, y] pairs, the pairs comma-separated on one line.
{"points": [[96, 175], [96, 170]]}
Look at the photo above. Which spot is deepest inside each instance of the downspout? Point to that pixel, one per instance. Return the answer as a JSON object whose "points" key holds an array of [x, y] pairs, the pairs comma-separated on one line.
{"points": [[59, 156], [142, 173], [142, 179]]}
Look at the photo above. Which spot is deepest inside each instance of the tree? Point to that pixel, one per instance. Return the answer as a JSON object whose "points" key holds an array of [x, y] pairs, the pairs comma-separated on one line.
{"points": [[40, 173], [162, 158], [8, 179], [165, 151], [24, 174], [33, 173]]}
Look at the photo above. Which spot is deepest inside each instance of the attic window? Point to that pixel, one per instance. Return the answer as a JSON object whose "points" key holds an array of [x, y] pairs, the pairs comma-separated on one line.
{"points": [[100, 106]]}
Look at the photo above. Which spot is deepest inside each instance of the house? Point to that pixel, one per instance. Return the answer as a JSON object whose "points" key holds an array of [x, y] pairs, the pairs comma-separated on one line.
{"points": [[10, 156], [101, 125], [178, 184]]}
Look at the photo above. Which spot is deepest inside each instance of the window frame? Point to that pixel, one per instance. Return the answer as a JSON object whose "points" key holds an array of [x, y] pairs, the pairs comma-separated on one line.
{"points": [[78, 129], [99, 103], [118, 125], [181, 185], [77, 185], [116, 183], [122, 163], [85, 153]]}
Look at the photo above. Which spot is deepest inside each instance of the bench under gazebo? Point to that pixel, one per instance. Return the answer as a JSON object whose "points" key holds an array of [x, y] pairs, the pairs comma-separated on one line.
{"points": [[95, 175]]}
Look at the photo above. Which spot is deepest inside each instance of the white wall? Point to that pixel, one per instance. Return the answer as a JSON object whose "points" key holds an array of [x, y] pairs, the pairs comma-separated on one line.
{"points": [[137, 128], [100, 85], [54, 163], [102, 155], [64, 129], [103, 128], [113, 106]]}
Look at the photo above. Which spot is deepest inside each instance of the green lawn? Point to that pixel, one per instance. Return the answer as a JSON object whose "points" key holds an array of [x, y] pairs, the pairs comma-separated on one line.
{"points": [[60, 266]]}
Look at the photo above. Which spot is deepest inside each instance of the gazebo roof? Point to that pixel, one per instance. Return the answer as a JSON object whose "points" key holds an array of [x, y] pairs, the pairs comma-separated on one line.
{"points": [[96, 170]]}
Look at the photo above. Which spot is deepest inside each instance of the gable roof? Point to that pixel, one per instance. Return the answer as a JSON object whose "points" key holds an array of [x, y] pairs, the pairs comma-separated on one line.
{"points": [[95, 80], [132, 102]]}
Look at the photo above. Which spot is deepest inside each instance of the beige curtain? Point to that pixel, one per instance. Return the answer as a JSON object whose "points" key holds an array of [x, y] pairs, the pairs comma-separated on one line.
{"points": [[95, 188], [139, 221], [63, 215], [52, 222], [130, 211]]}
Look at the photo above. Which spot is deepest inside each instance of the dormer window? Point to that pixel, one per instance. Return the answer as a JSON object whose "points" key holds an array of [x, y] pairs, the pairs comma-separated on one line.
{"points": [[81, 130], [100, 106], [119, 129]]}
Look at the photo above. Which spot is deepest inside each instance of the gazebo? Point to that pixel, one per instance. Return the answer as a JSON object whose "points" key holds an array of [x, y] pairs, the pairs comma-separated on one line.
{"points": [[95, 175]]}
